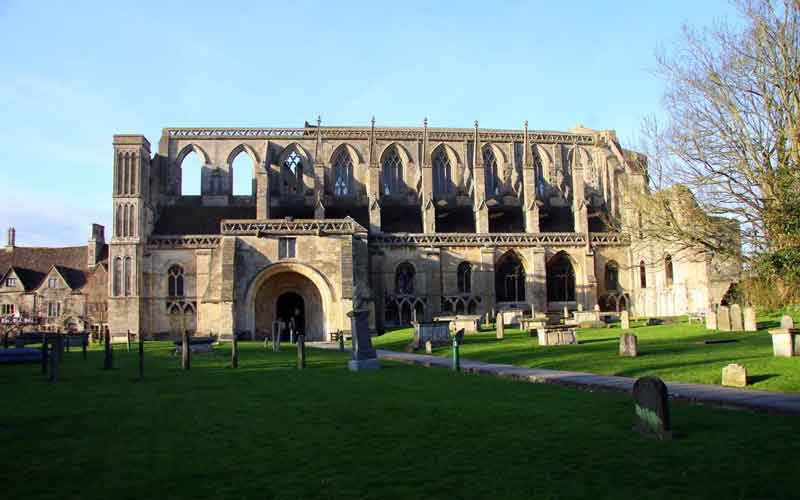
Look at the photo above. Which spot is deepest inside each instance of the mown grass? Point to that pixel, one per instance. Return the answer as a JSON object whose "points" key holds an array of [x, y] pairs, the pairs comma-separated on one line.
{"points": [[672, 352], [267, 430]]}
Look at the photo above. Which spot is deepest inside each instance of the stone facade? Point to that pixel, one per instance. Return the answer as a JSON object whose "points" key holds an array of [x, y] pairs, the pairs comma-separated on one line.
{"points": [[420, 222]]}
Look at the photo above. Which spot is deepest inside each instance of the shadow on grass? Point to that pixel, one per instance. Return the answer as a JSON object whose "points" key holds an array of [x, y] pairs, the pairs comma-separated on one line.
{"points": [[754, 379], [594, 341]]}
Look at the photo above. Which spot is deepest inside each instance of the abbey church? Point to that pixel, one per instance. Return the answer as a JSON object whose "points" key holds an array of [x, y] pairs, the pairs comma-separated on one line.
{"points": [[413, 223]]}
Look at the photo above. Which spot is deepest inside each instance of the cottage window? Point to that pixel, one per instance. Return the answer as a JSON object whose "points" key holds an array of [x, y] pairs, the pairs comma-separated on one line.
{"points": [[52, 283], [8, 309], [11, 282]]}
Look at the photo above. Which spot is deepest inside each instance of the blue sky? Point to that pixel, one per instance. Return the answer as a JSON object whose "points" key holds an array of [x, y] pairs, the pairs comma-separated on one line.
{"points": [[72, 74]]}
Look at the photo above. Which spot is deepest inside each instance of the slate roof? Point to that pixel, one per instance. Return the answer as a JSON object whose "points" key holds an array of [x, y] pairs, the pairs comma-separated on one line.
{"points": [[32, 264]]}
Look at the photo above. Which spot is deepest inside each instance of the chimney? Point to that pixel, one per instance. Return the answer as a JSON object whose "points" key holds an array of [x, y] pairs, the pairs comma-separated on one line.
{"points": [[12, 240], [97, 241]]}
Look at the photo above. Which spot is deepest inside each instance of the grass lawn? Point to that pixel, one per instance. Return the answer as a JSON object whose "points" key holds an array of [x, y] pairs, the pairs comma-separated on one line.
{"points": [[267, 430], [672, 352]]}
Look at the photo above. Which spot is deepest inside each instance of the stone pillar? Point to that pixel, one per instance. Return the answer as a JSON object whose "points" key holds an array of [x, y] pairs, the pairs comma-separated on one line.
{"points": [[479, 186], [588, 291], [428, 203], [374, 184], [262, 193], [538, 281], [579, 209], [530, 209]]}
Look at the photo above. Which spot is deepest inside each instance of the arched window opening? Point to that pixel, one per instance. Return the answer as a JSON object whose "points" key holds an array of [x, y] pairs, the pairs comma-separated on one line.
{"points": [[175, 281], [404, 279], [118, 221], [119, 172], [132, 185], [191, 172], [464, 277], [560, 279], [126, 172], [642, 275], [612, 276], [343, 174], [242, 172], [117, 277], [490, 169], [510, 279], [131, 222], [392, 173], [127, 279], [292, 175], [442, 174], [668, 271]]}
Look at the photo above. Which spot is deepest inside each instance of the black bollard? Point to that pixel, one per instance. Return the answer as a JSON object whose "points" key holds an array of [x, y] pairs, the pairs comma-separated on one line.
{"points": [[129, 341], [84, 344], [301, 351], [44, 354], [141, 357], [235, 351], [55, 360], [108, 358], [186, 357], [341, 341], [59, 347]]}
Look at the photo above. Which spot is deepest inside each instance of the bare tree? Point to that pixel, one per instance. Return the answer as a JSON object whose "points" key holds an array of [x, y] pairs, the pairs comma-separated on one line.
{"points": [[730, 150]]}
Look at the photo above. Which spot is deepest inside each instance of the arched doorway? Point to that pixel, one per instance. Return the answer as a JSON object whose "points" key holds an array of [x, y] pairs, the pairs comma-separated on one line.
{"points": [[291, 309], [560, 279], [509, 279]]}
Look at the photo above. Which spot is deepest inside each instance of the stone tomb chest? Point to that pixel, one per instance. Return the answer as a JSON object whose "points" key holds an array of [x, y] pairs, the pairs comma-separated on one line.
{"points": [[438, 332], [468, 322], [557, 336]]}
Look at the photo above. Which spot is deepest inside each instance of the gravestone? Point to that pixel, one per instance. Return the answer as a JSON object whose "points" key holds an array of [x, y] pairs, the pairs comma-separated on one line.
{"points": [[723, 319], [625, 320], [428, 347], [750, 324], [651, 403], [557, 336], [364, 356], [787, 322], [628, 345], [734, 375], [436, 331], [711, 320], [565, 313], [786, 339], [580, 307], [737, 322], [277, 329], [301, 351], [186, 352], [501, 329]]}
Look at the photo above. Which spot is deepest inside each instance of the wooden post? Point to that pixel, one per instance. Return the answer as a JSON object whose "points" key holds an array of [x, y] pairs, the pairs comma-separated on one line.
{"points": [[129, 341], [55, 359], [84, 344], [235, 351], [108, 359], [44, 354], [141, 357], [186, 358]]}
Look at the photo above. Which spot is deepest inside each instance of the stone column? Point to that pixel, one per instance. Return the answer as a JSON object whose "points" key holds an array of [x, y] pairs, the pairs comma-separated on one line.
{"points": [[374, 184], [530, 209], [588, 291], [262, 193], [479, 183], [539, 282], [485, 282], [579, 209]]}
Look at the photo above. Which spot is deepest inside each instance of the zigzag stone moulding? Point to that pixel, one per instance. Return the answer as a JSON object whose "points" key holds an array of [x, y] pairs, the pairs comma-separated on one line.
{"points": [[183, 242], [304, 226]]}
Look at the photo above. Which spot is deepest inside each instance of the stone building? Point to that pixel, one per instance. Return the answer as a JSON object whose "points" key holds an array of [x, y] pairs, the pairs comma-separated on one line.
{"points": [[62, 288], [422, 221]]}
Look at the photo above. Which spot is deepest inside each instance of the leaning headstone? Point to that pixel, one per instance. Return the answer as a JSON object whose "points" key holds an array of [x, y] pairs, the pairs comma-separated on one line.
{"points": [[734, 375], [628, 345], [652, 408], [625, 320], [750, 324], [737, 322], [711, 320], [428, 347], [301, 351], [723, 319], [364, 357], [501, 328]]}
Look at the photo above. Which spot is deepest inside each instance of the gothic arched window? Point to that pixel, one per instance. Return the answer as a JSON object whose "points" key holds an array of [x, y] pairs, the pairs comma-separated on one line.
{"points": [[343, 174], [490, 169], [117, 277], [404, 279], [441, 172], [175, 281], [392, 172], [612, 276], [560, 279], [668, 271], [293, 173], [128, 277], [509, 279], [464, 277], [642, 275]]}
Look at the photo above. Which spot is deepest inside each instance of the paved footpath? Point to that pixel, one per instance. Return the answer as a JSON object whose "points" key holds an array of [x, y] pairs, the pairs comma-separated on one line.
{"points": [[715, 395]]}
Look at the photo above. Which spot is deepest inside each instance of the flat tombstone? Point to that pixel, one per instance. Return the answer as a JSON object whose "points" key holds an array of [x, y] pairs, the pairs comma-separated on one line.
{"points": [[734, 375], [651, 402], [787, 322], [501, 329], [723, 319], [711, 320], [750, 324], [428, 347], [628, 345], [625, 320], [737, 322]]}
